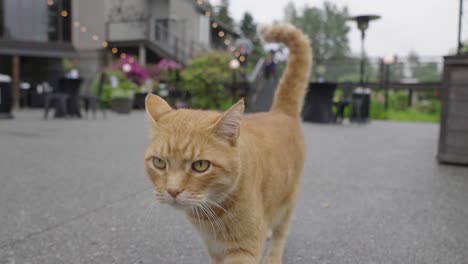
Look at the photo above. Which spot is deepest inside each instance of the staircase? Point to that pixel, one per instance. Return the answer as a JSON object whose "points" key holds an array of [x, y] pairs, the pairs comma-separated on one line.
{"points": [[262, 89]]}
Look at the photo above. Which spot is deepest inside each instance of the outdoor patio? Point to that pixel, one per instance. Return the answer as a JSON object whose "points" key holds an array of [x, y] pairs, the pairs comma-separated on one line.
{"points": [[75, 191]]}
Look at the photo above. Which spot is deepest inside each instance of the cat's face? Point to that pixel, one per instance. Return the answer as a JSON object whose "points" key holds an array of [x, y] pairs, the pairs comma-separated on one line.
{"points": [[192, 158]]}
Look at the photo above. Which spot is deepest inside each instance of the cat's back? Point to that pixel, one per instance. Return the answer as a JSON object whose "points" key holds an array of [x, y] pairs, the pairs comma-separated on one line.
{"points": [[273, 133]]}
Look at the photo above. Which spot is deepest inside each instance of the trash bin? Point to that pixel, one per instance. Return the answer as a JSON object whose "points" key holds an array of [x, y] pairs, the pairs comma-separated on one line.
{"points": [[360, 104], [6, 99], [318, 105]]}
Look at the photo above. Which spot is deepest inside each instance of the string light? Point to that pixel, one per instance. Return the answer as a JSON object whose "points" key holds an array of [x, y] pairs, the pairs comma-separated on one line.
{"points": [[95, 37], [50, 2], [242, 58], [64, 13], [221, 34], [207, 13], [237, 53], [227, 42], [199, 2], [233, 48], [214, 25]]}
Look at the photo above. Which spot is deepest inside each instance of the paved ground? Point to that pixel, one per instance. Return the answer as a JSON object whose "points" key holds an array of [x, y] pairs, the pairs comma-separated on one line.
{"points": [[75, 192]]}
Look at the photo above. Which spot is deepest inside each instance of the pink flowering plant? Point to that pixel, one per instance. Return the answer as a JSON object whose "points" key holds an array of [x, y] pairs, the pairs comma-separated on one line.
{"points": [[166, 70], [131, 69]]}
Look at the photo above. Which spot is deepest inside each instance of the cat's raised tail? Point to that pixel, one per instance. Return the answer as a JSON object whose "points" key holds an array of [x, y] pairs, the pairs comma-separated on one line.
{"points": [[292, 86]]}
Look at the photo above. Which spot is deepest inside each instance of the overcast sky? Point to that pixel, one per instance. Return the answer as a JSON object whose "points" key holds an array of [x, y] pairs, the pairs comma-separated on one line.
{"points": [[428, 27]]}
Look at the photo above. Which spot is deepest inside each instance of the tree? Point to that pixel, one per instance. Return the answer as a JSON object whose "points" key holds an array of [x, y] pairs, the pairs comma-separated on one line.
{"points": [[249, 30], [248, 26], [423, 72], [327, 30], [290, 13], [222, 13]]}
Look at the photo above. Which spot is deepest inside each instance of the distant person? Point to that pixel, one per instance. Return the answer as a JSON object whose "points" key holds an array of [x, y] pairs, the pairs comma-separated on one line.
{"points": [[270, 65], [73, 73]]}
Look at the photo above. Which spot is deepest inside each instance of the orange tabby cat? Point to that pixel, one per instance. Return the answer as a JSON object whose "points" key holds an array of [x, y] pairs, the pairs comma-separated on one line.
{"points": [[236, 177]]}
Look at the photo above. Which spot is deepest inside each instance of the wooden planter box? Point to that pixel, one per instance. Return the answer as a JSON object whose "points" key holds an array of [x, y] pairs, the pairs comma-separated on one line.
{"points": [[453, 140]]}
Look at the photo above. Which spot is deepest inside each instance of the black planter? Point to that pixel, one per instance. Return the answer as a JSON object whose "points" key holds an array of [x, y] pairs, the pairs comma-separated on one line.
{"points": [[318, 106], [122, 105], [139, 101], [6, 100], [361, 106]]}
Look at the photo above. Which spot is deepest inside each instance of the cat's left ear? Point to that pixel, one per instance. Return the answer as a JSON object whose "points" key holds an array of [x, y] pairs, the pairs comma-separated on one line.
{"points": [[156, 107], [228, 125]]}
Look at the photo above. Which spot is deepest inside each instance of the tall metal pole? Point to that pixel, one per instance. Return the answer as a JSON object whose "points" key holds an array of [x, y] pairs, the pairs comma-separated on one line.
{"points": [[460, 17], [361, 81], [387, 84]]}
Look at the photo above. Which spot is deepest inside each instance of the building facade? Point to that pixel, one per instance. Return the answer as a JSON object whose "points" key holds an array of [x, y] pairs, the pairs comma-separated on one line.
{"points": [[36, 35]]}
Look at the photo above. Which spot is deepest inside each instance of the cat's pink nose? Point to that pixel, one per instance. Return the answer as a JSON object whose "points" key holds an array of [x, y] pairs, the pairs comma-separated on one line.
{"points": [[174, 192]]}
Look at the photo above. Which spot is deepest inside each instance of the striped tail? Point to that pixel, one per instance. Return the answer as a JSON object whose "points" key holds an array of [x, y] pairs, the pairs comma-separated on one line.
{"points": [[292, 86]]}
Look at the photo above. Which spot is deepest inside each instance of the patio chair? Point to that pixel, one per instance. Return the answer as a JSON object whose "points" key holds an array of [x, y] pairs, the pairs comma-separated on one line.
{"points": [[94, 101], [344, 102], [56, 97]]}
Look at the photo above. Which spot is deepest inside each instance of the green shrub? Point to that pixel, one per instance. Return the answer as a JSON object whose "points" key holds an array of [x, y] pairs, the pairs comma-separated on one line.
{"points": [[399, 100], [205, 77], [125, 89]]}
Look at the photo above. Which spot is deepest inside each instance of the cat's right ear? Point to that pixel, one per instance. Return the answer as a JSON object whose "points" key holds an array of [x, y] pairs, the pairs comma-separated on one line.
{"points": [[156, 107]]}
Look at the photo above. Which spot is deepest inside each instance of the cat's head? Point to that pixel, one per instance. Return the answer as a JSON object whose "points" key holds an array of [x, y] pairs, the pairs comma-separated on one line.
{"points": [[193, 156]]}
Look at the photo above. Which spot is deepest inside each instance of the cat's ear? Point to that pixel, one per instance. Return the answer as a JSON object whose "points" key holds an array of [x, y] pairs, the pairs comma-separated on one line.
{"points": [[228, 125], [156, 107]]}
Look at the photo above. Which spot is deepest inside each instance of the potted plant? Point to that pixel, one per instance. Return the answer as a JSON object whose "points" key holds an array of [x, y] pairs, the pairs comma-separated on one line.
{"points": [[205, 78], [130, 71], [121, 91], [122, 100]]}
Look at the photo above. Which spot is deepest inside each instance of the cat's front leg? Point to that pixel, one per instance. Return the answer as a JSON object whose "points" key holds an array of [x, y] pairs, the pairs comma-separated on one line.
{"points": [[241, 258]]}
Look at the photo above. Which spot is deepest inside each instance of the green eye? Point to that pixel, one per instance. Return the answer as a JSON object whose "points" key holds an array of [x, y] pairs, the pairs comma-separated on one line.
{"points": [[159, 163], [200, 165]]}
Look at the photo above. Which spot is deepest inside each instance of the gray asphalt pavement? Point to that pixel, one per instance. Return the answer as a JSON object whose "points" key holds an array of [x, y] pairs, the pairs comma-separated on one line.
{"points": [[75, 191]]}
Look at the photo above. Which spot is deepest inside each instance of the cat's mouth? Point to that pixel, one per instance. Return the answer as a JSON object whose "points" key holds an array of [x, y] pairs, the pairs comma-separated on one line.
{"points": [[180, 203]]}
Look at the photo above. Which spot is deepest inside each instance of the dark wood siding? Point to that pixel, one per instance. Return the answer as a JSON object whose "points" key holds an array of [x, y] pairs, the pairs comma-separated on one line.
{"points": [[453, 141]]}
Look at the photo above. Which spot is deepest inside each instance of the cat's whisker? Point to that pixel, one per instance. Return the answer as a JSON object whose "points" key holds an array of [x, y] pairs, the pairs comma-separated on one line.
{"points": [[222, 208], [201, 206], [217, 220]]}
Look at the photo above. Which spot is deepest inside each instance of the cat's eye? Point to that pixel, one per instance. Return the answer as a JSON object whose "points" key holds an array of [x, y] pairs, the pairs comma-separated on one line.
{"points": [[159, 163], [200, 165]]}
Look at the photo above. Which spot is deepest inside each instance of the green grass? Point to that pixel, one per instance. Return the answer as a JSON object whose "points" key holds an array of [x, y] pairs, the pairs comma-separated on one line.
{"points": [[425, 109], [377, 111]]}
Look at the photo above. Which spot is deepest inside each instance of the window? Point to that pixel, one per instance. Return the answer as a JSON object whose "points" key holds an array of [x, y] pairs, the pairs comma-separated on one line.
{"points": [[38, 21], [1, 19]]}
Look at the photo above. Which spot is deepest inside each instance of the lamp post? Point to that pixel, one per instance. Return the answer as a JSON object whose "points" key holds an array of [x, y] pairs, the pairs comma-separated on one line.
{"points": [[363, 24], [387, 60], [460, 19]]}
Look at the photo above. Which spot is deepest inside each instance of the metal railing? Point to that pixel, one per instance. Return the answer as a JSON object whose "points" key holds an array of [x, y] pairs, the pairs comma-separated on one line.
{"points": [[256, 79], [155, 33]]}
